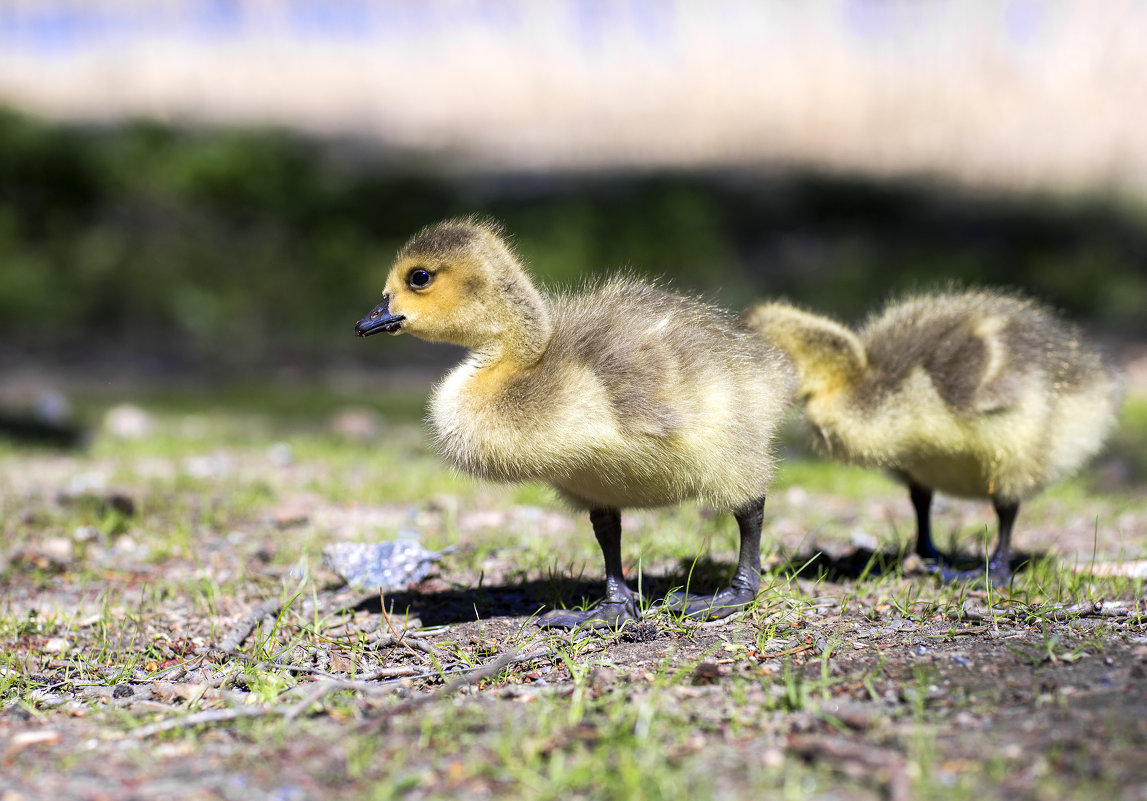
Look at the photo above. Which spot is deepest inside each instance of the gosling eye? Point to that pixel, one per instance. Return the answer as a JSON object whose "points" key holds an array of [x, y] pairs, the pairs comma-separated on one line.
{"points": [[419, 278]]}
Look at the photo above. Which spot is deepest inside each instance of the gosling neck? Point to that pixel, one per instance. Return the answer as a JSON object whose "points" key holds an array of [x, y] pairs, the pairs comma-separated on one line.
{"points": [[524, 335]]}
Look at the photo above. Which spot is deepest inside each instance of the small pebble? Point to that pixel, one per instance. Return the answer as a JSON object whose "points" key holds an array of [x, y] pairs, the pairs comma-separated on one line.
{"points": [[53, 406], [602, 677], [85, 533], [862, 540], [281, 454], [706, 673], [127, 421], [56, 645]]}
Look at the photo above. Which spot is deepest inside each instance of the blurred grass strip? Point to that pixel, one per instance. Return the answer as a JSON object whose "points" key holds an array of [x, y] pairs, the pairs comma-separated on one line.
{"points": [[237, 247]]}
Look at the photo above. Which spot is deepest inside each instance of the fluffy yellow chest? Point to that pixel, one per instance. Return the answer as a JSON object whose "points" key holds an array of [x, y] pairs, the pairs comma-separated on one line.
{"points": [[492, 421]]}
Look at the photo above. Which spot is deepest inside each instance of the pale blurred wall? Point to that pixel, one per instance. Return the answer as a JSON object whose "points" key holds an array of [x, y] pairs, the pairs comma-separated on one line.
{"points": [[1018, 93]]}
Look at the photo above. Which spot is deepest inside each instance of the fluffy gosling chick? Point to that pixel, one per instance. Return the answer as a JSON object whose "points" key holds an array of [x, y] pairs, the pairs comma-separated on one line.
{"points": [[978, 394], [622, 395]]}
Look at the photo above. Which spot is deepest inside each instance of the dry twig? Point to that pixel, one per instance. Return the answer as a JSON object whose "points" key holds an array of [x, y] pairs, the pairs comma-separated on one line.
{"points": [[467, 678], [800, 649], [1113, 609], [412, 644], [246, 624], [200, 719]]}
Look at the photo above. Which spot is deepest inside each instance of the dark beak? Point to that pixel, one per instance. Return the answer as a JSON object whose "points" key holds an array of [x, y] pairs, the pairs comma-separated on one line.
{"points": [[379, 319]]}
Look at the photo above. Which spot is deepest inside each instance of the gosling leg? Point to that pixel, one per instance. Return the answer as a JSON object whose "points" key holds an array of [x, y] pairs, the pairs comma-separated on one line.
{"points": [[922, 503], [620, 603], [999, 565], [746, 579]]}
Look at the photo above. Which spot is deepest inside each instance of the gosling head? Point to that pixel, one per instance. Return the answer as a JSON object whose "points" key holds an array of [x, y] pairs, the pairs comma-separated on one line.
{"points": [[827, 356], [458, 282]]}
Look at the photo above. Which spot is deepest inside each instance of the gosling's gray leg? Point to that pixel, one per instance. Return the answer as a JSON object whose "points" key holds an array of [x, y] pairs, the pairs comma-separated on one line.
{"points": [[746, 580], [999, 565], [1001, 562], [620, 603], [922, 503]]}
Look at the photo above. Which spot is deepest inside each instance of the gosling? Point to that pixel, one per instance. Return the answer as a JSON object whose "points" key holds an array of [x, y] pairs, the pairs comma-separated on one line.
{"points": [[622, 395], [978, 394]]}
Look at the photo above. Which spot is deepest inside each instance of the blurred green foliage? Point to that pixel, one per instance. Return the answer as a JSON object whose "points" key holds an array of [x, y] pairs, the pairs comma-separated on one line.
{"points": [[239, 247]]}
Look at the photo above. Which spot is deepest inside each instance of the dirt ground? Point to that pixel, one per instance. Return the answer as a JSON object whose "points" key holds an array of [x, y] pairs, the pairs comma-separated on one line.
{"points": [[168, 631]]}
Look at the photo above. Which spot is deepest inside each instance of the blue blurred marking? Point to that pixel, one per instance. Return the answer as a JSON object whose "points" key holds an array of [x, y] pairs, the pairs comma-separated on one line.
{"points": [[322, 19], [655, 21], [54, 28], [870, 19], [499, 15], [52, 31], [1024, 20], [590, 23], [217, 18]]}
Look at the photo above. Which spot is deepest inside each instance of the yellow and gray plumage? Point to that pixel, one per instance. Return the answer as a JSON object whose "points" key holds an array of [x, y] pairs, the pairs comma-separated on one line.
{"points": [[619, 395], [976, 393]]}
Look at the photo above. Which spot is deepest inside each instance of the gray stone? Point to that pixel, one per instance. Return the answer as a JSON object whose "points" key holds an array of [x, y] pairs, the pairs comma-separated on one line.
{"points": [[380, 565]]}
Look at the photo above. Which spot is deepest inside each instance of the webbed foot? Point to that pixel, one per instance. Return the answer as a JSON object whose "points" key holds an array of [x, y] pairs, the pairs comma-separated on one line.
{"points": [[620, 603], [606, 615], [746, 579], [937, 561], [719, 605], [999, 573]]}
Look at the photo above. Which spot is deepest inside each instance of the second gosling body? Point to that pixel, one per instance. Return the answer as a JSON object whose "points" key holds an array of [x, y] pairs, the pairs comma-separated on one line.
{"points": [[623, 395], [977, 394]]}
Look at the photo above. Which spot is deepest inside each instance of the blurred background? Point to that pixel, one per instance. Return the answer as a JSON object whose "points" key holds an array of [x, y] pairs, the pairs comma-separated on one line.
{"points": [[205, 193], [199, 199]]}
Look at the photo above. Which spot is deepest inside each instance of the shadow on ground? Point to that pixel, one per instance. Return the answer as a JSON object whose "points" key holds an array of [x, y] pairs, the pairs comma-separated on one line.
{"points": [[442, 607]]}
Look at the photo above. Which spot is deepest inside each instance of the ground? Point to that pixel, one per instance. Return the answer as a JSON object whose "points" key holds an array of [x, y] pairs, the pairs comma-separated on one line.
{"points": [[168, 630]]}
